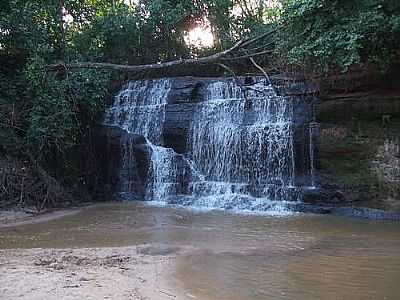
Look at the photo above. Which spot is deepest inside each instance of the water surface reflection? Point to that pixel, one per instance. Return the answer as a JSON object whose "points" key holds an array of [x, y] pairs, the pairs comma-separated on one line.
{"points": [[241, 256]]}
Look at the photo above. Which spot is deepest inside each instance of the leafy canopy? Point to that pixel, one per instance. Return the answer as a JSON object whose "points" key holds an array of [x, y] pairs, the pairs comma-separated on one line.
{"points": [[51, 114], [325, 35]]}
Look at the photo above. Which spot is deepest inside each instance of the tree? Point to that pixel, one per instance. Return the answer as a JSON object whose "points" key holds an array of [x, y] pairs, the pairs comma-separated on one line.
{"points": [[82, 42], [324, 36]]}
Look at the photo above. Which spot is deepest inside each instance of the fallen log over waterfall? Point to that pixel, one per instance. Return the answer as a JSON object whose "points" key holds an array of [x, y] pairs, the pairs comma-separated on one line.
{"points": [[244, 49]]}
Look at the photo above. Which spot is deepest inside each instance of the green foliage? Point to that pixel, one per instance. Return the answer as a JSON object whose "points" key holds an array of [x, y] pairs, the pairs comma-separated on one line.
{"points": [[326, 35], [45, 114], [63, 106], [50, 114], [13, 111], [124, 36]]}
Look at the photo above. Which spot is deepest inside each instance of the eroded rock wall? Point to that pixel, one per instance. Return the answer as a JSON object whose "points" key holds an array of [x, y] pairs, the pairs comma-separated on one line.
{"points": [[358, 154], [184, 95]]}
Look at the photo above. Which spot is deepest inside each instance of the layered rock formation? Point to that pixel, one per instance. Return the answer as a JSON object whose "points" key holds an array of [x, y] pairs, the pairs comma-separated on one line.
{"points": [[237, 138]]}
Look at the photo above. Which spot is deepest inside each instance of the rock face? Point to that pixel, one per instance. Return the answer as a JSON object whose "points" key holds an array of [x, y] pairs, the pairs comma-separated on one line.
{"points": [[358, 149], [209, 137], [122, 155]]}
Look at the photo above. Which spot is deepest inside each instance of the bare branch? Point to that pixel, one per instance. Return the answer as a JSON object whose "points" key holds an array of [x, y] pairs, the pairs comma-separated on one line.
{"points": [[247, 55], [228, 54], [262, 71]]}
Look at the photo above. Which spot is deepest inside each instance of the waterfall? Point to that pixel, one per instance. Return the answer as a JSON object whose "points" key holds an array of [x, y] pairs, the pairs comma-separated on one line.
{"points": [[140, 109], [239, 144], [244, 137], [242, 141]]}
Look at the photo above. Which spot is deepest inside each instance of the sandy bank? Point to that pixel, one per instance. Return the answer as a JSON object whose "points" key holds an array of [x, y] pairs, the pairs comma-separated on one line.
{"points": [[91, 273]]}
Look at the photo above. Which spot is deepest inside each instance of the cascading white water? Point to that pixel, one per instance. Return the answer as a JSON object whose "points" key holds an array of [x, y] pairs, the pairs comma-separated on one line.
{"points": [[242, 140], [240, 145], [164, 174], [140, 109]]}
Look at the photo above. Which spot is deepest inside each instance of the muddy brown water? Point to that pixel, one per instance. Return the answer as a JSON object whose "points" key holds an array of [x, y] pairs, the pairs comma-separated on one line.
{"points": [[238, 257]]}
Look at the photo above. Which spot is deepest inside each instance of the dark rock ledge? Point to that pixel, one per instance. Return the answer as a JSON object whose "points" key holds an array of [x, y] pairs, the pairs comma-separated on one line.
{"points": [[348, 211]]}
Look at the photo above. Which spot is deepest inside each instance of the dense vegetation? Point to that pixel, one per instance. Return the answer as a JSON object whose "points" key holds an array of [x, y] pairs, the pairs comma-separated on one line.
{"points": [[46, 117], [325, 35]]}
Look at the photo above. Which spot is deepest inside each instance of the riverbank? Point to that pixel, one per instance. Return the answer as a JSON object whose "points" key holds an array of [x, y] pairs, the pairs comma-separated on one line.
{"points": [[133, 251], [19, 217], [133, 273]]}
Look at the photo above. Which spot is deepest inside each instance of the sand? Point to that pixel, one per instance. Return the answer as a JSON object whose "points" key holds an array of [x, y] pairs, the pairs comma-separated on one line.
{"points": [[137, 272]]}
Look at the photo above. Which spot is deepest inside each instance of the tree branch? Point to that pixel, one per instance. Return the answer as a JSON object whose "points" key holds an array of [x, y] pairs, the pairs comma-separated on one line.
{"points": [[264, 72], [212, 59], [261, 69]]}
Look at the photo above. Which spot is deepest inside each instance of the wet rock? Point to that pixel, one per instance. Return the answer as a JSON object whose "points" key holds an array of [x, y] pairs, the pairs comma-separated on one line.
{"points": [[324, 195], [366, 213], [111, 145], [125, 155], [347, 211]]}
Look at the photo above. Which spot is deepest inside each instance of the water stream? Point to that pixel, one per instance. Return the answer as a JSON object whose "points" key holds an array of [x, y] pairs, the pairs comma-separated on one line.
{"points": [[239, 256], [140, 108]]}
